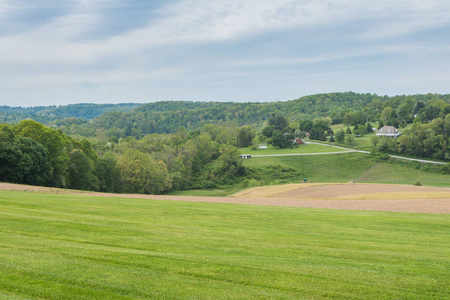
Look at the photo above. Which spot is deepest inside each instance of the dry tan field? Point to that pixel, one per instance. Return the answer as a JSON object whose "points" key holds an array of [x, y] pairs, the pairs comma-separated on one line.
{"points": [[351, 196]]}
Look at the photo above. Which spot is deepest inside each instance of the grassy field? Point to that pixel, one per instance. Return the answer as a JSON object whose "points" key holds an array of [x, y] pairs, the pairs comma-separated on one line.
{"points": [[348, 167], [365, 142], [320, 168], [219, 192], [309, 148], [81, 247], [399, 174]]}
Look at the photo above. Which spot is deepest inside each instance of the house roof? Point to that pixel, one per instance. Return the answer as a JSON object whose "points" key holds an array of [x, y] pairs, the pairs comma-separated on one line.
{"points": [[388, 129]]}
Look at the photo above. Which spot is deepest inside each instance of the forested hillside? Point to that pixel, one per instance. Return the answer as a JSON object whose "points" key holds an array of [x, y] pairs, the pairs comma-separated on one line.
{"points": [[169, 116], [31, 153], [122, 120], [46, 114], [178, 145]]}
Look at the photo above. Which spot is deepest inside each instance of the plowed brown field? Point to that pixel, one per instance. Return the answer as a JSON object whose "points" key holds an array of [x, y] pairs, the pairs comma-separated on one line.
{"points": [[374, 197]]}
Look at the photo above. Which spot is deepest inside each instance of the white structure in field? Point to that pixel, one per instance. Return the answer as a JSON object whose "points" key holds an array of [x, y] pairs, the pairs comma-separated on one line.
{"points": [[388, 131]]}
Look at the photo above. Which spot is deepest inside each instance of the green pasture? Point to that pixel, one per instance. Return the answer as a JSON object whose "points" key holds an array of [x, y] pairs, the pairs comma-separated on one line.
{"points": [[401, 174], [81, 247], [343, 167], [219, 192], [365, 142], [346, 167], [308, 148]]}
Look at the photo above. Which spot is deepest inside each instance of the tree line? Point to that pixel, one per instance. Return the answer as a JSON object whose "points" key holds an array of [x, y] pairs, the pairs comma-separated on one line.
{"points": [[47, 114], [426, 126], [31, 153], [149, 150]]}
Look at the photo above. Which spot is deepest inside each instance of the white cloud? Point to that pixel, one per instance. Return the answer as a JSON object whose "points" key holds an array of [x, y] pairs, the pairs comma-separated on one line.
{"points": [[204, 21], [62, 51]]}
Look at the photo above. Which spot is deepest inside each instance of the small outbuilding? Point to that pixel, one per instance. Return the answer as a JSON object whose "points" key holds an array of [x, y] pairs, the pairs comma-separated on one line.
{"points": [[297, 141]]}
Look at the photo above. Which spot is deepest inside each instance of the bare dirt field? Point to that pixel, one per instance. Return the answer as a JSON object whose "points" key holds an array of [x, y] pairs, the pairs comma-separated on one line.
{"points": [[372, 197]]}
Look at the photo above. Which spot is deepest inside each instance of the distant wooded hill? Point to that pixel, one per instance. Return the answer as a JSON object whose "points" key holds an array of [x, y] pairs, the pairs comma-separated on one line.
{"points": [[45, 114], [123, 120]]}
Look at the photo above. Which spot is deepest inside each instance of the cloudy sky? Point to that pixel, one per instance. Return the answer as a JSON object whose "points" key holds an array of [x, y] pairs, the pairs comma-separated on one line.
{"points": [[110, 51]]}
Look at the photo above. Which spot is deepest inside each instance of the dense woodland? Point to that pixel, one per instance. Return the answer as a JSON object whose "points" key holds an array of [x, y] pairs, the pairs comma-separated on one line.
{"points": [[31, 153], [177, 145], [45, 114]]}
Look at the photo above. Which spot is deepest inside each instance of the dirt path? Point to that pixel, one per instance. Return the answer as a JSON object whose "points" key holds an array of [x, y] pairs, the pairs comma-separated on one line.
{"points": [[372, 197]]}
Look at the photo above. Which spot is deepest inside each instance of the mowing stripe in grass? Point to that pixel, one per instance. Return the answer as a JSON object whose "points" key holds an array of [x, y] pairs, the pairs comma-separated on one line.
{"points": [[81, 247]]}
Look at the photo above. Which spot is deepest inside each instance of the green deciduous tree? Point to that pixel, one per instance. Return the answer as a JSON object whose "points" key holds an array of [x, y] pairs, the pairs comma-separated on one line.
{"points": [[306, 125], [39, 172], [349, 139], [245, 135], [81, 172], [374, 139], [340, 136], [268, 131], [278, 121], [140, 173], [108, 174], [229, 163], [388, 116], [403, 113], [279, 140], [22, 159], [57, 144]]}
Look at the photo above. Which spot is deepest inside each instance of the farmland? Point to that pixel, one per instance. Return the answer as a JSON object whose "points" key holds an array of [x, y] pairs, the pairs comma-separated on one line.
{"points": [[346, 167], [308, 148], [82, 247]]}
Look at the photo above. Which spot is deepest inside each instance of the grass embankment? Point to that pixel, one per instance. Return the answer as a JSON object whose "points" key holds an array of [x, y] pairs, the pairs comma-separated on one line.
{"points": [[81, 247], [348, 167], [322, 168], [402, 174], [339, 168]]}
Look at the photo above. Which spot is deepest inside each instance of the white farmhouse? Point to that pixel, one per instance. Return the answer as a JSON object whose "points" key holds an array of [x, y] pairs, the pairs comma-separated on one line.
{"points": [[388, 131]]}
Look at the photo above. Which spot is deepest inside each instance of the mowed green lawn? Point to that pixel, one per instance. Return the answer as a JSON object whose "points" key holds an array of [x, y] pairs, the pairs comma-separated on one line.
{"points": [[82, 247], [308, 148]]}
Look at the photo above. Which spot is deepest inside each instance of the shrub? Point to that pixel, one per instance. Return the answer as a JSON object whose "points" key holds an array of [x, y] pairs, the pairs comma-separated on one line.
{"points": [[208, 184], [253, 183], [379, 156]]}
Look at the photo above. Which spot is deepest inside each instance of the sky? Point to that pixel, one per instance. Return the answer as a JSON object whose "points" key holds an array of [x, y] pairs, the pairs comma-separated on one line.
{"points": [[57, 52]]}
